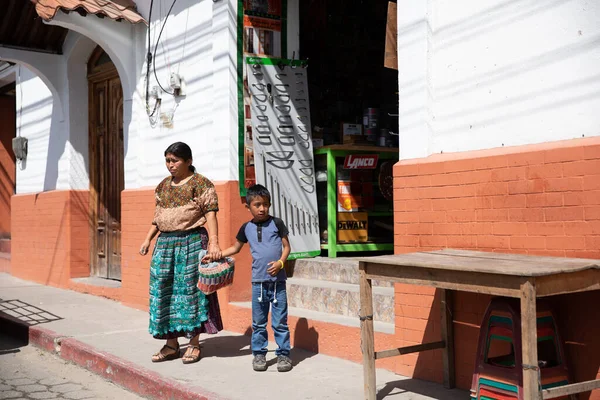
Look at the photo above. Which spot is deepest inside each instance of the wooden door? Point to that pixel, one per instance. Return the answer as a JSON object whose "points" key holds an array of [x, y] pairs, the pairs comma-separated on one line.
{"points": [[106, 167]]}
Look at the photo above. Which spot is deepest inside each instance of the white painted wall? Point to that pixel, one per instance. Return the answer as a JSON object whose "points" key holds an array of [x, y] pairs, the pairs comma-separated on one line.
{"points": [[77, 50], [38, 120], [477, 75], [52, 115], [198, 42]]}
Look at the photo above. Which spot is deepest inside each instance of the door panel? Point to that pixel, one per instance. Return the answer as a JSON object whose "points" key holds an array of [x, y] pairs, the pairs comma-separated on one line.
{"points": [[97, 180], [114, 172], [106, 173]]}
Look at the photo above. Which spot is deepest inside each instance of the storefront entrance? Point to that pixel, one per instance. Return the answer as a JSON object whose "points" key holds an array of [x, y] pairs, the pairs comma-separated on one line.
{"points": [[342, 105], [354, 107]]}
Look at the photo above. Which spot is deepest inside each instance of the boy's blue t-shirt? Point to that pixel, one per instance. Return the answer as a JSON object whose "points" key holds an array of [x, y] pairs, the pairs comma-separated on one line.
{"points": [[265, 246]]}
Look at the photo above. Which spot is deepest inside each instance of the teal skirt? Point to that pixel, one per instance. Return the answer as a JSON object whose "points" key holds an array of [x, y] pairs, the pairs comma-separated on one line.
{"points": [[177, 307]]}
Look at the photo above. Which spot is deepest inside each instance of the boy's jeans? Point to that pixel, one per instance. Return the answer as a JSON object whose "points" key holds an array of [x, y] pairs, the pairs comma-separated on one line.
{"points": [[263, 295]]}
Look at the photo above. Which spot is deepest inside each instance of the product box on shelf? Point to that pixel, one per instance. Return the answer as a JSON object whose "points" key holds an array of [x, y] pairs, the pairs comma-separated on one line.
{"points": [[352, 133], [348, 200], [352, 227]]}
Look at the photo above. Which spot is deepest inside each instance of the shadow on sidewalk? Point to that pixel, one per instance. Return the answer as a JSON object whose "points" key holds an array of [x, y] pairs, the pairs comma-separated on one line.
{"points": [[306, 342], [16, 317], [417, 386], [226, 346], [26, 313], [11, 344]]}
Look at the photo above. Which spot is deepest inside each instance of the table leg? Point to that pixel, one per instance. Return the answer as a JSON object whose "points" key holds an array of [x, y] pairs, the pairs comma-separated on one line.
{"points": [[448, 338], [366, 334], [531, 380], [331, 206]]}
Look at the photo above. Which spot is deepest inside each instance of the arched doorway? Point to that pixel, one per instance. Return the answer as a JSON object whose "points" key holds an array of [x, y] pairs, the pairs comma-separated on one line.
{"points": [[106, 165]]}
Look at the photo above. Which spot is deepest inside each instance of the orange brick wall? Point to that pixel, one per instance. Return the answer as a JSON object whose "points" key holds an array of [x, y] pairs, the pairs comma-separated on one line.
{"points": [[322, 337], [7, 161], [539, 199], [137, 213], [137, 210], [317, 336], [50, 236], [51, 241], [5, 263]]}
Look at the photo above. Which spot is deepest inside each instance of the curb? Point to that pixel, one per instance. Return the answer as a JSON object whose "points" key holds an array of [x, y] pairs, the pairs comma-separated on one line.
{"points": [[130, 376]]}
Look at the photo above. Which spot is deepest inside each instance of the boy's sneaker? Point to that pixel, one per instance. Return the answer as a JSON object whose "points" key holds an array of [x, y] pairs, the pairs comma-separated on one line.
{"points": [[259, 363], [284, 364]]}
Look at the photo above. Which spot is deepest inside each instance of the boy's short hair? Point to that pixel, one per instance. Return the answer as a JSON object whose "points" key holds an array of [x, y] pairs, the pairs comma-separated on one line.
{"points": [[257, 191]]}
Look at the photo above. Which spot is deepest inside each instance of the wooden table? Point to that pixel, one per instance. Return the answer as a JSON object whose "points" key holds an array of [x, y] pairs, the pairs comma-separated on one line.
{"points": [[511, 275]]}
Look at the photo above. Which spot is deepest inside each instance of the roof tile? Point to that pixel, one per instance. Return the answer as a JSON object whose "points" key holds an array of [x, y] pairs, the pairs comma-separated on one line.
{"points": [[114, 9]]}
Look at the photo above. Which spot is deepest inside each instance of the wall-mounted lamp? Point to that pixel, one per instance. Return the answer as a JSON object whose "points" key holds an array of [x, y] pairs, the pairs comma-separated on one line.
{"points": [[19, 145]]}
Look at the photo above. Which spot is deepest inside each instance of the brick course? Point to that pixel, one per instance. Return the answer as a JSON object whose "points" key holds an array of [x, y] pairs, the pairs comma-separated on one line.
{"points": [[7, 161], [49, 245], [539, 199]]}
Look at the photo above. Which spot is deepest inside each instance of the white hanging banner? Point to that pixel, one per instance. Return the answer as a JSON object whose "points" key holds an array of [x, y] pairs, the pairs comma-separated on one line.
{"points": [[283, 151]]}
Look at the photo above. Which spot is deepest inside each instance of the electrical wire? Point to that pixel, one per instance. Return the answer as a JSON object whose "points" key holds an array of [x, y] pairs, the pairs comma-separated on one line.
{"points": [[156, 48], [20, 119], [20, 101], [148, 59]]}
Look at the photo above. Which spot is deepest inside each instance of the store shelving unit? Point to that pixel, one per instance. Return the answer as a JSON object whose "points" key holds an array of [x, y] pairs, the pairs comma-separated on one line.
{"points": [[333, 152]]}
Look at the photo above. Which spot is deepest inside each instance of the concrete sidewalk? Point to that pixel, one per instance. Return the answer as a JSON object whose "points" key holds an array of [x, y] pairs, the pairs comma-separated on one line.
{"points": [[112, 340]]}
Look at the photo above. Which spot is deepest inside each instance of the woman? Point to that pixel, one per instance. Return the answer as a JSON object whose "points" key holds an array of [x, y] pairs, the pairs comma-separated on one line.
{"points": [[185, 202]]}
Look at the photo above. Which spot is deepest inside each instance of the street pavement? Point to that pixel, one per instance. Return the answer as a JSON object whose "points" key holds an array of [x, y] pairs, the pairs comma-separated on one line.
{"points": [[29, 373], [112, 340]]}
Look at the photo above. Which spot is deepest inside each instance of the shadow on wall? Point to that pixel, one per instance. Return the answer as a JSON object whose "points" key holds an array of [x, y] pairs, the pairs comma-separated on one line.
{"points": [[306, 341], [428, 364], [57, 143], [37, 119], [74, 165], [579, 325], [467, 314], [7, 161], [6, 192]]}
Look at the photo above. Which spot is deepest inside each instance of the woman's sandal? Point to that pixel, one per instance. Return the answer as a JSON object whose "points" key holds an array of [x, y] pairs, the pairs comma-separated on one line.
{"points": [[161, 356], [189, 357]]}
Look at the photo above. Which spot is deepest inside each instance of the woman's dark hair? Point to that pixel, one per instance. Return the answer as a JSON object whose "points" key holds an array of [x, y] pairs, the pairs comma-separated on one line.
{"points": [[257, 191], [181, 150]]}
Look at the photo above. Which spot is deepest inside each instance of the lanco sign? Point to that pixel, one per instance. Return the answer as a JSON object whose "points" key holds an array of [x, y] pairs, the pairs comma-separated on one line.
{"points": [[362, 161]]}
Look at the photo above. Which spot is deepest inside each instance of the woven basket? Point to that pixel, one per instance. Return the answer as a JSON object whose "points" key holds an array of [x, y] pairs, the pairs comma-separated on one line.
{"points": [[215, 275]]}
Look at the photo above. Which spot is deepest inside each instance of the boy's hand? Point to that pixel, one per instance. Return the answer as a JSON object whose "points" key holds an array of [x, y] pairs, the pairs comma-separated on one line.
{"points": [[206, 259], [274, 267]]}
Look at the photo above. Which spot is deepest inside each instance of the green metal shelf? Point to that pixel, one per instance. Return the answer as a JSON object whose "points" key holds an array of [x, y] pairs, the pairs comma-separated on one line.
{"points": [[361, 247], [332, 152]]}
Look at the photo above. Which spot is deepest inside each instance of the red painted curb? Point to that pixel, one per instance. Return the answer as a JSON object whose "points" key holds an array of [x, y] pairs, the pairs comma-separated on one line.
{"points": [[44, 338], [128, 375], [137, 379], [39, 337]]}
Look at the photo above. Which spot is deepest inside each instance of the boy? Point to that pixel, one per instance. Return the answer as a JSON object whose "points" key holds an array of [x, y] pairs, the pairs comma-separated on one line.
{"points": [[269, 245]]}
